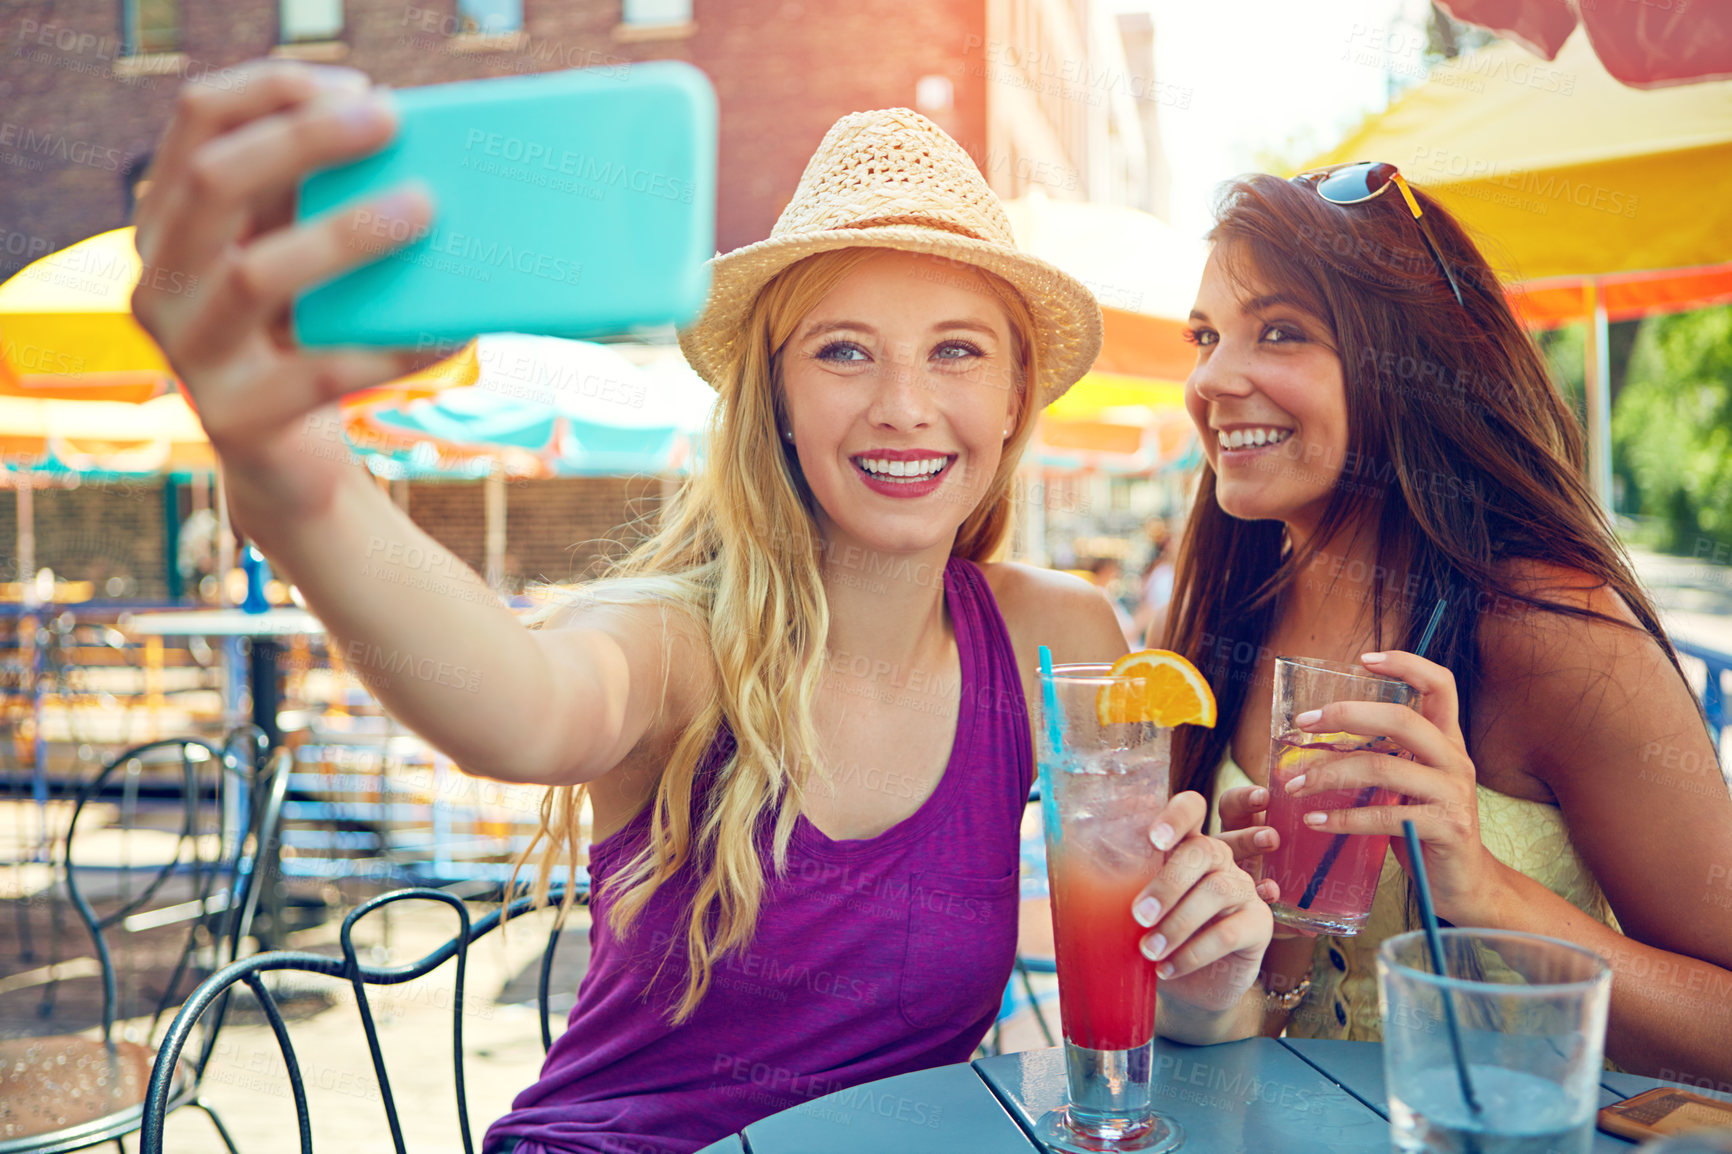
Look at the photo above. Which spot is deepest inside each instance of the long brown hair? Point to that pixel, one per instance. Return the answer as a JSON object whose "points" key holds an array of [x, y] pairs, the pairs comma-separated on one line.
{"points": [[1462, 456]]}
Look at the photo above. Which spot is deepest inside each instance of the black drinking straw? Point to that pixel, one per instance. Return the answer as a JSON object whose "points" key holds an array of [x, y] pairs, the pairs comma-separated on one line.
{"points": [[1434, 945], [1333, 851]]}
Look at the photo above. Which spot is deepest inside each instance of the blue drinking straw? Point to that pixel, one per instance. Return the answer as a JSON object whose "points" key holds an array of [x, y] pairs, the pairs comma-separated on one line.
{"points": [[1434, 946], [1054, 741], [1049, 696], [1431, 626]]}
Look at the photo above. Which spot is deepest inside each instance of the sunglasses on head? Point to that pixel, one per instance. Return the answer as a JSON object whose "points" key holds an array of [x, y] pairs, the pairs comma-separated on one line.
{"points": [[1366, 180]]}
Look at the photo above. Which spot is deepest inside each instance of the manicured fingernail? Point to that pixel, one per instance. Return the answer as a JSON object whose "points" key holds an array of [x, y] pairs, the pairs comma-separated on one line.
{"points": [[340, 78], [363, 115], [1163, 836], [1154, 946], [401, 205], [1164, 970], [1309, 717], [1147, 911], [1259, 796], [1264, 839], [1295, 785], [1370, 658], [1315, 818]]}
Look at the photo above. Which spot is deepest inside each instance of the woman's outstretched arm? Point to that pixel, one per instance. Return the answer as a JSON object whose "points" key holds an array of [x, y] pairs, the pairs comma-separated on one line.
{"points": [[223, 258]]}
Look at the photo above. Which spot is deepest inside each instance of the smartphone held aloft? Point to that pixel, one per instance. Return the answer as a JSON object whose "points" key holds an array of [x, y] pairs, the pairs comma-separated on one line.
{"points": [[570, 204]]}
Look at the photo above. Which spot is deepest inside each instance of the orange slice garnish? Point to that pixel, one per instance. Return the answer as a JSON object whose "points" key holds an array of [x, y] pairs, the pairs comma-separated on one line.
{"points": [[1158, 686]]}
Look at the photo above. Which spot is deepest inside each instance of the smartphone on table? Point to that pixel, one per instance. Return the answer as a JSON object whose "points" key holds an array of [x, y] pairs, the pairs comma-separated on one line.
{"points": [[573, 204], [1667, 1111]]}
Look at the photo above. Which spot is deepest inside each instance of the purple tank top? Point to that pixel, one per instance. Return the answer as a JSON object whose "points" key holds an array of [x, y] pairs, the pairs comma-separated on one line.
{"points": [[871, 958]]}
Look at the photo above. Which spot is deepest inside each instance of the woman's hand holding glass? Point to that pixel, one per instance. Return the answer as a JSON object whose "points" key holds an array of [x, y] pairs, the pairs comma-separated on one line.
{"points": [[1207, 925], [1437, 781], [1245, 830]]}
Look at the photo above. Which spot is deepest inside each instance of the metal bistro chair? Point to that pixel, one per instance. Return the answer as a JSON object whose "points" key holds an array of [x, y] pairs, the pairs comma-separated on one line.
{"points": [[1035, 954], [65, 1092], [348, 968]]}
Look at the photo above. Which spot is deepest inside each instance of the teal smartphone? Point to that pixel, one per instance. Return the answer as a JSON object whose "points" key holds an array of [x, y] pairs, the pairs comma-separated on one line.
{"points": [[570, 204]]}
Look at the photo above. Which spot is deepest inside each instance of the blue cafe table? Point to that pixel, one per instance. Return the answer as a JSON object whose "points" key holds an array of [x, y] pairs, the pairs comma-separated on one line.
{"points": [[1261, 1095]]}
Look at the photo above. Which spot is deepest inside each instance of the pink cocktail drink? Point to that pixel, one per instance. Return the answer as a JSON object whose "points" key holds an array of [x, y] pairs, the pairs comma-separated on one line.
{"points": [[1108, 986], [1327, 880]]}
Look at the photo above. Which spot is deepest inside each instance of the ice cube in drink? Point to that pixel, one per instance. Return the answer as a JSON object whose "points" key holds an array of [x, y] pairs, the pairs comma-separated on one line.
{"points": [[1340, 901]]}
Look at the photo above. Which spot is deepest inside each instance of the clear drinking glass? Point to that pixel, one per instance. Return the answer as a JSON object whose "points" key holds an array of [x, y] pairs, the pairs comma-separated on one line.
{"points": [[1531, 1015], [1327, 880], [1101, 789]]}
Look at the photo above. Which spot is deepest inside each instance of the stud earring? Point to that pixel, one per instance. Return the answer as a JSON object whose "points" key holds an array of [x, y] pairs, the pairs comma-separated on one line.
{"points": [[788, 436]]}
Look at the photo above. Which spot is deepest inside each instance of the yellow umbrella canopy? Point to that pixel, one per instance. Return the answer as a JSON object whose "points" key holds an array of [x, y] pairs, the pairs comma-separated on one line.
{"points": [[67, 330], [1563, 171], [105, 435], [1605, 202]]}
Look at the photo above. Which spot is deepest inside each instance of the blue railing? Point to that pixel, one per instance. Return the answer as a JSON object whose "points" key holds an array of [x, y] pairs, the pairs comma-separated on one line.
{"points": [[1713, 690]]}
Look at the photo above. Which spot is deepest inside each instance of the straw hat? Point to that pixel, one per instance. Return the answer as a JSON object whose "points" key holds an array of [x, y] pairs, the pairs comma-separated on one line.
{"points": [[893, 179]]}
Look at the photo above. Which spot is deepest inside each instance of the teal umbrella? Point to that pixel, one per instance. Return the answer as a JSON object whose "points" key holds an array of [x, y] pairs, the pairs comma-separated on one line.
{"points": [[573, 408]]}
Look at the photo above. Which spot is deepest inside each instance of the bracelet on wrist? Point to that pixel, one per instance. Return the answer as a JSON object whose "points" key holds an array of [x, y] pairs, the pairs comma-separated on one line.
{"points": [[1286, 1001]]}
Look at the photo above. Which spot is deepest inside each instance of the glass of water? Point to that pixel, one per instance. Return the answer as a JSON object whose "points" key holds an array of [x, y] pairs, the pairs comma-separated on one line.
{"points": [[1530, 1013]]}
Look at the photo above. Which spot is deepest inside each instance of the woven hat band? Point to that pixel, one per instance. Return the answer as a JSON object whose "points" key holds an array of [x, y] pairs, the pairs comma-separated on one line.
{"points": [[916, 222]]}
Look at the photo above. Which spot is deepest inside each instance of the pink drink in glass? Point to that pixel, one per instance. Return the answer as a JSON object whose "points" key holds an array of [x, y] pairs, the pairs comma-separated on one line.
{"points": [[1341, 901], [1107, 986]]}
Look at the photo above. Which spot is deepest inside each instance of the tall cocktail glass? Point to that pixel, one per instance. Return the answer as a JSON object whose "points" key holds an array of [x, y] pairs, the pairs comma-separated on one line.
{"points": [[1102, 786], [1327, 880]]}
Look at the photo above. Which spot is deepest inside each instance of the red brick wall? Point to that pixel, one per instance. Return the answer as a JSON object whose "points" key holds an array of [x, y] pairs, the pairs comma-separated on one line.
{"points": [[93, 533], [783, 69], [554, 530]]}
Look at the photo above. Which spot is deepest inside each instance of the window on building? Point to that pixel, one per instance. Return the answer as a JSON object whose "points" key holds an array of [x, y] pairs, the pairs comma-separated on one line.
{"points": [[490, 17], [310, 20], [657, 11], [150, 26]]}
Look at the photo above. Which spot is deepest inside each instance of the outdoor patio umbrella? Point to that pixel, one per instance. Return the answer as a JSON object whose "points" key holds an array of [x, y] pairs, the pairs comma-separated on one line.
{"points": [[574, 408], [67, 331], [1121, 416], [1649, 45], [1604, 202], [542, 407]]}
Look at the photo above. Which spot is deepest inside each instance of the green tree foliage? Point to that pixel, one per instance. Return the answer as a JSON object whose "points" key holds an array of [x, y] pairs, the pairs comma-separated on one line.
{"points": [[1672, 427]]}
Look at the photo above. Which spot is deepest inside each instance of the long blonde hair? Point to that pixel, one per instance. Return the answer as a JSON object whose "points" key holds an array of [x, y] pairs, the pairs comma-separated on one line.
{"points": [[738, 551]]}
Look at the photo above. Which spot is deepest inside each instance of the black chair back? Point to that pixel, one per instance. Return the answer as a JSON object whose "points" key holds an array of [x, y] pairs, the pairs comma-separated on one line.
{"points": [[217, 866], [349, 968], [180, 883]]}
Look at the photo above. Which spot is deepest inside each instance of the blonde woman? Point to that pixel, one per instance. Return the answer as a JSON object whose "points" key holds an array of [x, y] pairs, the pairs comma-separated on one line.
{"points": [[798, 710]]}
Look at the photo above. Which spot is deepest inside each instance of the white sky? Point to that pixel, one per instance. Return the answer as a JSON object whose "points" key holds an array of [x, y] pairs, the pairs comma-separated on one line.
{"points": [[1287, 78]]}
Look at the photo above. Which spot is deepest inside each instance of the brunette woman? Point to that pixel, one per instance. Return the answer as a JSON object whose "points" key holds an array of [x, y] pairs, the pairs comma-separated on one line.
{"points": [[1382, 434]]}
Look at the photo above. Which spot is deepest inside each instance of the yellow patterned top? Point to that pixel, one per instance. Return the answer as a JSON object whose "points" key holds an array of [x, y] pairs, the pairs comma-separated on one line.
{"points": [[1529, 836]]}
